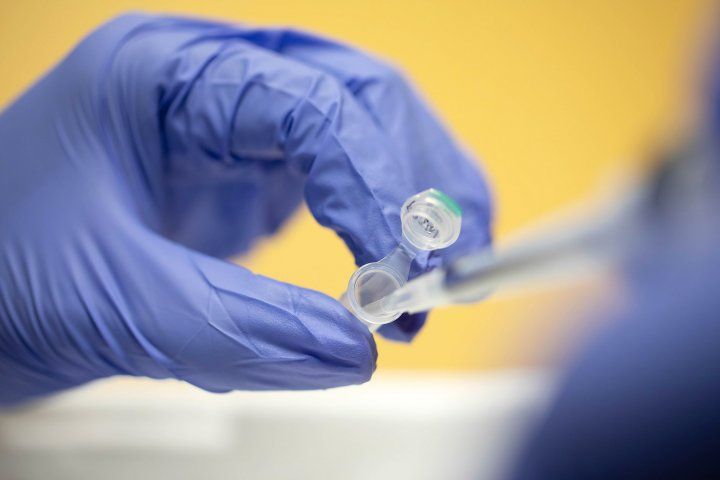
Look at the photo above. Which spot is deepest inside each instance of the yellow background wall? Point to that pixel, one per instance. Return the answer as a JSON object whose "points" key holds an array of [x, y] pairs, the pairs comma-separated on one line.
{"points": [[549, 93]]}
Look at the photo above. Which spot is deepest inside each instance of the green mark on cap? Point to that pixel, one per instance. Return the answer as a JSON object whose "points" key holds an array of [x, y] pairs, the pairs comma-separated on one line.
{"points": [[447, 201]]}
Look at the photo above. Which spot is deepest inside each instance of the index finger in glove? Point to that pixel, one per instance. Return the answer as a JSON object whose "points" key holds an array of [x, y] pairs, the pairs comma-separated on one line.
{"points": [[225, 100]]}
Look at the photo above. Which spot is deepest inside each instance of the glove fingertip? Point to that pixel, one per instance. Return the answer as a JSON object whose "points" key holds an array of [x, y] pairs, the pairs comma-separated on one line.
{"points": [[349, 347]]}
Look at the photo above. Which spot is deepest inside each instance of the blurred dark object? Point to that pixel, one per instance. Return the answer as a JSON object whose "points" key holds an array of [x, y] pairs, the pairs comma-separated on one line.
{"points": [[641, 400]]}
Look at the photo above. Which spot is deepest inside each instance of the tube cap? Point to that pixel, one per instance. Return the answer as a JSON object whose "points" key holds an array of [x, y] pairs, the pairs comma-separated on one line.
{"points": [[431, 220]]}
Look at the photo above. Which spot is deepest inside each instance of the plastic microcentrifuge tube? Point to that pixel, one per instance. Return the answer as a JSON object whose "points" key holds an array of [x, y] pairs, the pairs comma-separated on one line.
{"points": [[430, 221]]}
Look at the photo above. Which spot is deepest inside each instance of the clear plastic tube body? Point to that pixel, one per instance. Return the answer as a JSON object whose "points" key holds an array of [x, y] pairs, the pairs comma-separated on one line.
{"points": [[430, 220]]}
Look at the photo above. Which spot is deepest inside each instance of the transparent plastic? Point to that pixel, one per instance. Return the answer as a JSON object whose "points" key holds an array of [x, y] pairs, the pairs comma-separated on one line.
{"points": [[430, 220]]}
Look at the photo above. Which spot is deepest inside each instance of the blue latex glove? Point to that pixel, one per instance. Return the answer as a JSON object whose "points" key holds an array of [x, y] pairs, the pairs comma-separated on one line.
{"points": [[160, 145]]}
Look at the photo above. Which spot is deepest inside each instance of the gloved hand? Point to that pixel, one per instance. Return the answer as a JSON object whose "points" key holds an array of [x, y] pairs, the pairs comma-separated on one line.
{"points": [[159, 146]]}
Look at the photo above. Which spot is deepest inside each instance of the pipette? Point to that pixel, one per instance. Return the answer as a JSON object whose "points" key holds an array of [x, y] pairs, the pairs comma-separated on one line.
{"points": [[558, 251], [568, 247]]}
